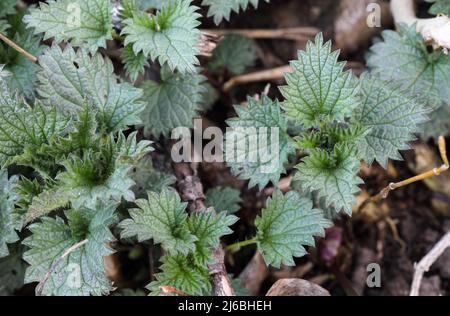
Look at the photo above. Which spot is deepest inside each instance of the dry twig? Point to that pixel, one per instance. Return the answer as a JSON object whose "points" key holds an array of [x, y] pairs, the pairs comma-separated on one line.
{"points": [[19, 49], [293, 33], [432, 173], [426, 262]]}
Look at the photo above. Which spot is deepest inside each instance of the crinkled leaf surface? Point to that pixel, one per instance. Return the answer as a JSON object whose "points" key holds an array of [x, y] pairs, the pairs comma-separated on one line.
{"points": [[259, 155], [318, 90], [172, 103], [68, 80], [80, 22], [171, 36], [440, 6], [286, 224], [81, 273], [333, 175], [161, 217], [391, 117]]}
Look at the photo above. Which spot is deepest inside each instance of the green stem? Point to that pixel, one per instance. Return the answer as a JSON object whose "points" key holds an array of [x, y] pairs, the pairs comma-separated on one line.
{"points": [[236, 246]]}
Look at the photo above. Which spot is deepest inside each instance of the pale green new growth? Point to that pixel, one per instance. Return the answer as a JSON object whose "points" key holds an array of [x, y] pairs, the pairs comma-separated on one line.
{"points": [[285, 226], [22, 126], [134, 63], [223, 199], [171, 36], [251, 160], [81, 272], [173, 102], [221, 9], [318, 90], [333, 175], [80, 22], [182, 273]]}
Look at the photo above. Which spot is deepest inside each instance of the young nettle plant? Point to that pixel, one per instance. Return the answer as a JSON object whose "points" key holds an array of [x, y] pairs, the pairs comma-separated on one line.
{"points": [[345, 120], [65, 138]]}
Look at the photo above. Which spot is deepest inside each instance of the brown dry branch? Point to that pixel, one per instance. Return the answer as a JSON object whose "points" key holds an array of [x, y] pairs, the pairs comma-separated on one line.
{"points": [[275, 74], [292, 33], [426, 262], [264, 75], [19, 49], [191, 191], [431, 173], [40, 286], [207, 43]]}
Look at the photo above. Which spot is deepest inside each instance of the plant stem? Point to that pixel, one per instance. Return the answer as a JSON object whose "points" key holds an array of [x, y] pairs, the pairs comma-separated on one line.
{"points": [[19, 49], [432, 173], [236, 246]]}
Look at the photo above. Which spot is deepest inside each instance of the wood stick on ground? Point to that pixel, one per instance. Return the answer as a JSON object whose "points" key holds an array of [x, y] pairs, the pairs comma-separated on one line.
{"points": [[427, 261], [274, 74], [167, 290], [293, 33], [264, 75], [191, 191], [40, 286], [431, 173], [19, 49]]}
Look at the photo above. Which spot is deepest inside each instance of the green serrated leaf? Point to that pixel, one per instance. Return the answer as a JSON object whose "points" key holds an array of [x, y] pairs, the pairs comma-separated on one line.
{"points": [[220, 9], [286, 225], [172, 103], [403, 58], [318, 90], [260, 161], [391, 117], [182, 273], [22, 126], [134, 63], [80, 22], [7, 199], [440, 7], [236, 61], [45, 203], [81, 272], [170, 36], [162, 217], [333, 175], [209, 227], [68, 80], [223, 199]]}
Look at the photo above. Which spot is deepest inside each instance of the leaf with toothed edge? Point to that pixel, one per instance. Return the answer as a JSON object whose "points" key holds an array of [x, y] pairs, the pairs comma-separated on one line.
{"points": [[286, 225]]}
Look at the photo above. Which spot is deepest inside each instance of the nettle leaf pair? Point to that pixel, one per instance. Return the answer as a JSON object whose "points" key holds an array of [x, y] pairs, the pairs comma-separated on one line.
{"points": [[345, 120]]}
